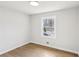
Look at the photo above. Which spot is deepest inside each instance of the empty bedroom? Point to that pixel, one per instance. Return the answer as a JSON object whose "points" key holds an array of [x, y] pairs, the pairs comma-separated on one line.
{"points": [[39, 28]]}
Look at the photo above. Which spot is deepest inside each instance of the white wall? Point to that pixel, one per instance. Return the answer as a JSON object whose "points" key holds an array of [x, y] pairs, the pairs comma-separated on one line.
{"points": [[66, 35], [78, 32], [14, 29]]}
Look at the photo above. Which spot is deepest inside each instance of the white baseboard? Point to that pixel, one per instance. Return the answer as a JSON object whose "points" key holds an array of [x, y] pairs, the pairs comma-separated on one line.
{"points": [[57, 48], [24, 43], [19, 45]]}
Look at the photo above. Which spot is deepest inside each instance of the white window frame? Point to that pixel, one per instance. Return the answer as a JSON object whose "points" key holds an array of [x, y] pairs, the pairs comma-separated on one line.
{"points": [[53, 33]]}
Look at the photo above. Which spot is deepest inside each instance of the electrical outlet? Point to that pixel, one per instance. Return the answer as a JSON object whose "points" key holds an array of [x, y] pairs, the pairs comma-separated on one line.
{"points": [[47, 42]]}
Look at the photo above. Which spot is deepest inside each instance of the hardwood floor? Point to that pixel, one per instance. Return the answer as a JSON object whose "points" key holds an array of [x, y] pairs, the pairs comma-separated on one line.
{"points": [[35, 50]]}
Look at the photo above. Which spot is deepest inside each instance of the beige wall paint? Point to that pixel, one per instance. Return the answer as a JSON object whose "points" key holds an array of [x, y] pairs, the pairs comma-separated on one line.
{"points": [[66, 35]]}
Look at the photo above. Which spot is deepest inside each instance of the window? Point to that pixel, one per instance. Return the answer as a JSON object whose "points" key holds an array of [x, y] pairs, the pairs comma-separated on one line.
{"points": [[49, 26]]}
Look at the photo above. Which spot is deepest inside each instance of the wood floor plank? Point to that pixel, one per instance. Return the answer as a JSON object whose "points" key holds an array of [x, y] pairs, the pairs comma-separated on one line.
{"points": [[35, 50]]}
